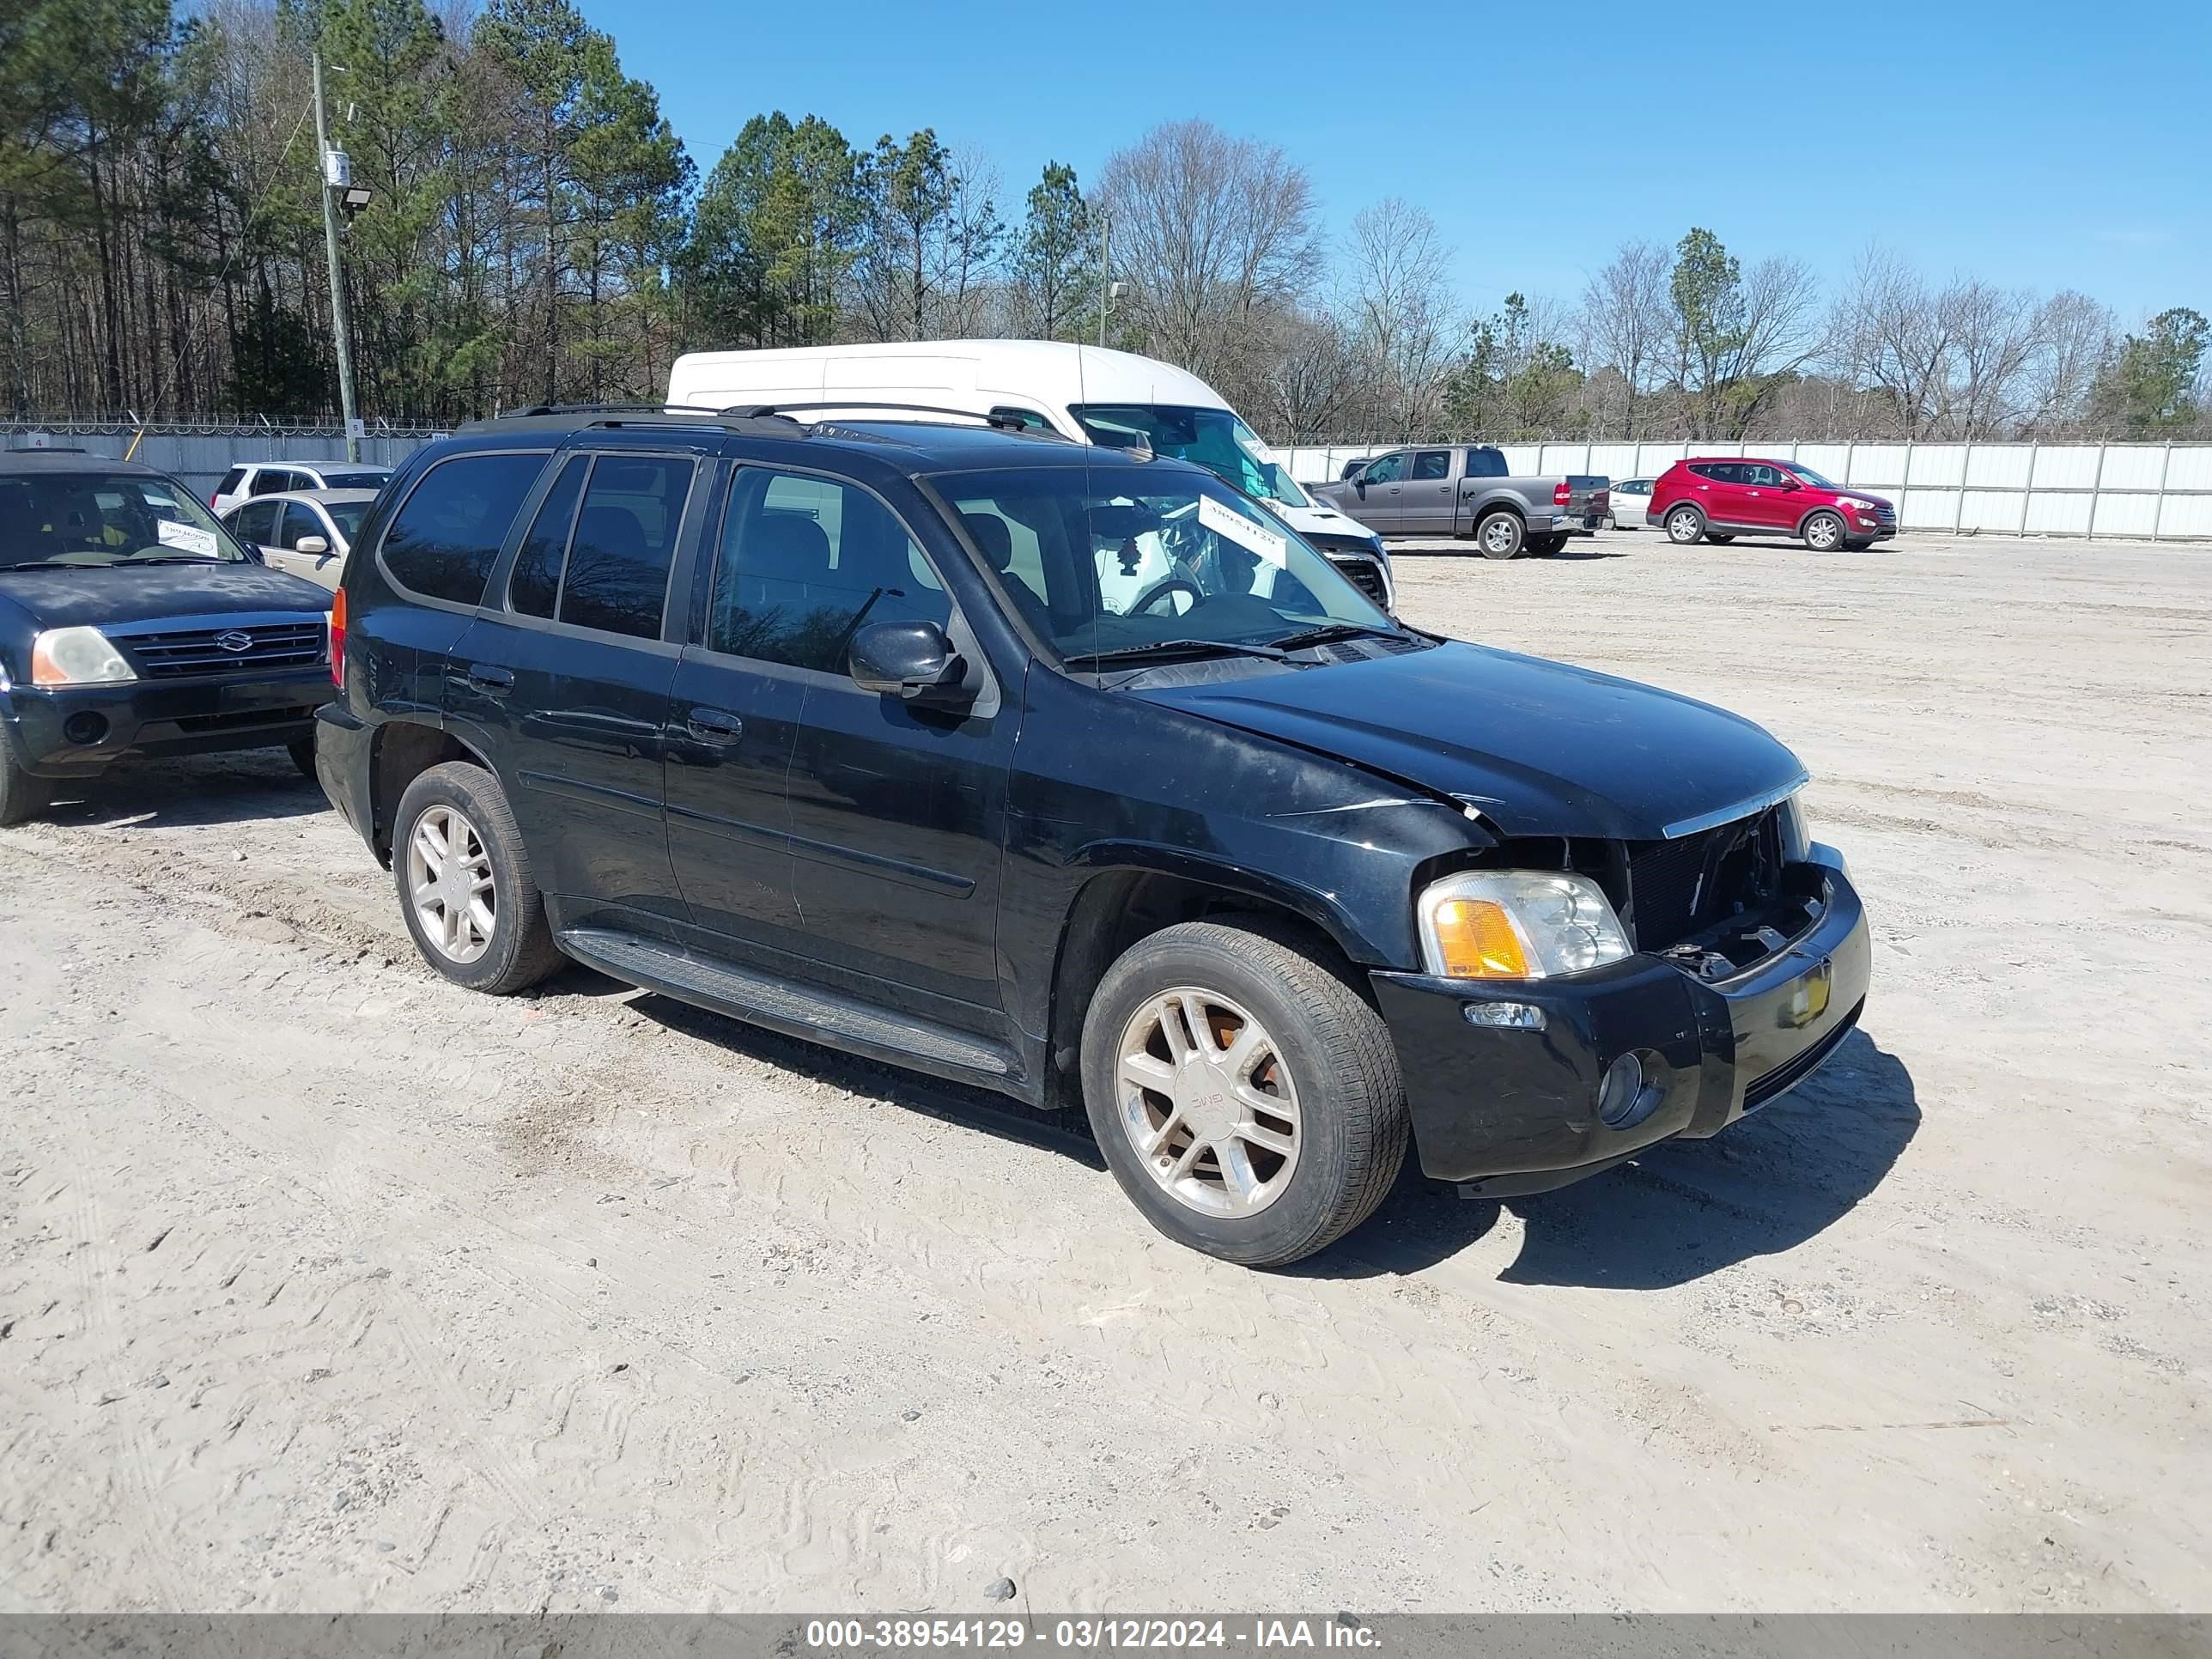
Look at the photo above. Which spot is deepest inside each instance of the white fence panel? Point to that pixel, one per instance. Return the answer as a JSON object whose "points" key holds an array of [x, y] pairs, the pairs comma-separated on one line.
{"points": [[2187, 518], [2125, 515], [2052, 513], [2130, 466], [1829, 460], [1991, 467], [2067, 466], [2190, 467], [1936, 465]]}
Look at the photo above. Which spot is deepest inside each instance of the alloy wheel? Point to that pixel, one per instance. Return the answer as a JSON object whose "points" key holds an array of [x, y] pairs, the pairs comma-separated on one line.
{"points": [[1206, 1098], [1683, 527], [449, 881]]}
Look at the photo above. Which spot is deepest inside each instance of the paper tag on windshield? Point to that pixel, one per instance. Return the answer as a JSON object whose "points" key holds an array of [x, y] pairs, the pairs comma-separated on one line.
{"points": [[188, 538], [1227, 521]]}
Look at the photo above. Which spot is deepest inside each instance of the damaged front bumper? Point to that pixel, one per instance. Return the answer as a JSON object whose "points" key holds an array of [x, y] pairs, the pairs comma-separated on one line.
{"points": [[1516, 1102]]}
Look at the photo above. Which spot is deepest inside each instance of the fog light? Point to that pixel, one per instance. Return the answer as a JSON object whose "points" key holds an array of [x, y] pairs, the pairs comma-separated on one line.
{"points": [[1510, 1016], [85, 727], [1618, 1095]]}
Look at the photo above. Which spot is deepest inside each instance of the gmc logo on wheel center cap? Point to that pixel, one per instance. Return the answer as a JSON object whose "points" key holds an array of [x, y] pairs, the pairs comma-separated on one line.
{"points": [[234, 641]]}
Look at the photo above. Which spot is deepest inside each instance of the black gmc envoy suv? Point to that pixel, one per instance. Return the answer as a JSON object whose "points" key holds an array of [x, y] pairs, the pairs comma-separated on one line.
{"points": [[1071, 773]]}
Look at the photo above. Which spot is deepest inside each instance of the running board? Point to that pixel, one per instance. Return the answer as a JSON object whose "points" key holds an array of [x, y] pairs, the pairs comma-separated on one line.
{"points": [[781, 1004]]}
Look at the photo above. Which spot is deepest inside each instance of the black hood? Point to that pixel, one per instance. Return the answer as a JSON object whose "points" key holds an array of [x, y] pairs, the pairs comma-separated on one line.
{"points": [[1537, 748], [71, 596]]}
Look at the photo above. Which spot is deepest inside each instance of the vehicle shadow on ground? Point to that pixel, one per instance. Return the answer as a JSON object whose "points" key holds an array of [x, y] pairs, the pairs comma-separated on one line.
{"points": [[1682, 1210], [1064, 1133], [183, 793]]}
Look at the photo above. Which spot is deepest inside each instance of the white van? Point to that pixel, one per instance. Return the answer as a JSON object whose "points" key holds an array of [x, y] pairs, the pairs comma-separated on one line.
{"points": [[1082, 392]]}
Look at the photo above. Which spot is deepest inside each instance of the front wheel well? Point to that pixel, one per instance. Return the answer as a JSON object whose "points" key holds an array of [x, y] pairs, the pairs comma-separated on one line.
{"points": [[402, 751], [1116, 908]]}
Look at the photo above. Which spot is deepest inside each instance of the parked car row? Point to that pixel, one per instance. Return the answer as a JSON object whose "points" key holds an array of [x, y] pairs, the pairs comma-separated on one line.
{"points": [[1059, 765]]}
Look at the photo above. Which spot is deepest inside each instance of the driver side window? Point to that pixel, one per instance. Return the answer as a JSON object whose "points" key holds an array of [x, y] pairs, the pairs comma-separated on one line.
{"points": [[1386, 469], [805, 563]]}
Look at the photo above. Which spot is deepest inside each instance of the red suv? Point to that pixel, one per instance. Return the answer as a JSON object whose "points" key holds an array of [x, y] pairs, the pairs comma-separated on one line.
{"points": [[1720, 499]]}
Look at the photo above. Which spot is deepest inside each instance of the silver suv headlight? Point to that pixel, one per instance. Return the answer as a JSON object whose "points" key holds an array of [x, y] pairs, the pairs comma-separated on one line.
{"points": [[1516, 924]]}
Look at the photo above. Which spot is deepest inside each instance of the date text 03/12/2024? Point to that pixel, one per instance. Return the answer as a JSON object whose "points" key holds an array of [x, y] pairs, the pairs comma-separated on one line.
{"points": [[1259, 1634]]}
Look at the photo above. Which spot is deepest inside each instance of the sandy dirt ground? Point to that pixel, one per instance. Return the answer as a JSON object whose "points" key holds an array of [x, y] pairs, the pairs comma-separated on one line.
{"points": [[325, 1285]]}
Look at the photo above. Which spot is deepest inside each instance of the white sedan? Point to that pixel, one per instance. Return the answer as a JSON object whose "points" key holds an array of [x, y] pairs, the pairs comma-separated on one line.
{"points": [[1631, 498], [306, 533]]}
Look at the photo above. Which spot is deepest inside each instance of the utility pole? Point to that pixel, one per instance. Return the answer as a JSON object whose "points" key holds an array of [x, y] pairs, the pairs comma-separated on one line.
{"points": [[323, 153], [1105, 276]]}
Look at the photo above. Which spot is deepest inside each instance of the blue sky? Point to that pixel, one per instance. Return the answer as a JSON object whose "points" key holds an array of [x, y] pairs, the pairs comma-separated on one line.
{"points": [[2028, 143]]}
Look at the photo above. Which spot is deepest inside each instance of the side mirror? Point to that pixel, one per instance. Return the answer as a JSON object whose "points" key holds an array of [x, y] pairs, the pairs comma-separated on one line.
{"points": [[1359, 483], [317, 545], [911, 660]]}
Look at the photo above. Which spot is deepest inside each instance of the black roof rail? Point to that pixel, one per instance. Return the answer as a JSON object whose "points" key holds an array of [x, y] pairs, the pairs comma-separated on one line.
{"points": [[45, 449], [639, 414], [994, 419]]}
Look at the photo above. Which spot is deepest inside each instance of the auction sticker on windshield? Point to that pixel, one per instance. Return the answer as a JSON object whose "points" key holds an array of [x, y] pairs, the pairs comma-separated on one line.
{"points": [[188, 538], [1227, 521]]}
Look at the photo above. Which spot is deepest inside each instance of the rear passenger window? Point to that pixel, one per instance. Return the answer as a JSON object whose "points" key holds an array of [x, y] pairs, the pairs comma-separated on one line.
{"points": [[1432, 463], [268, 480], [806, 563], [536, 584], [442, 541], [625, 539], [231, 480]]}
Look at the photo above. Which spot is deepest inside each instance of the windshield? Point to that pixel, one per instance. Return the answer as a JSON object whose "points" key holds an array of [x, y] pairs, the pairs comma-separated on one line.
{"points": [[1806, 475], [347, 516], [1213, 438], [81, 519], [1128, 560]]}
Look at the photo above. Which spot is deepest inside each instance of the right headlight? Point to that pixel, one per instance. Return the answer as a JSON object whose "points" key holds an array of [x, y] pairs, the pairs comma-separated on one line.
{"points": [[1516, 924], [76, 656]]}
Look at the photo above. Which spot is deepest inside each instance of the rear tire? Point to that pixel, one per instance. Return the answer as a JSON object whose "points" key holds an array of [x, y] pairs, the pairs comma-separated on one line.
{"points": [[1686, 525], [1206, 1031], [1501, 536], [1823, 532], [303, 751], [22, 796], [458, 862]]}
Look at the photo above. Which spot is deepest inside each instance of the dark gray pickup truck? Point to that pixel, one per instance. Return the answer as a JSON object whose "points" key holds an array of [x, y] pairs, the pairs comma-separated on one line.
{"points": [[1468, 490]]}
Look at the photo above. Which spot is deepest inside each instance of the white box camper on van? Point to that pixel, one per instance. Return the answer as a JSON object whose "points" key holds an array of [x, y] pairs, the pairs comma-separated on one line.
{"points": [[1082, 392]]}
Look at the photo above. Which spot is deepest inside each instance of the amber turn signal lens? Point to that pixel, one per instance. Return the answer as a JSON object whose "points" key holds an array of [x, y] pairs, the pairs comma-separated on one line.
{"points": [[1479, 940]]}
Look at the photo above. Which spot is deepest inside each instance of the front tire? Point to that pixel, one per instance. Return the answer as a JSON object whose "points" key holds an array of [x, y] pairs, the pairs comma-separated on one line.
{"points": [[303, 751], [1247, 1098], [1686, 525], [22, 796], [1544, 547], [1501, 536], [1719, 540], [464, 881], [1823, 532]]}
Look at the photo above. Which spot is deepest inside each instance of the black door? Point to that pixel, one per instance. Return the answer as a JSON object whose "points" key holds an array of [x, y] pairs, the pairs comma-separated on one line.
{"points": [[570, 683], [894, 814]]}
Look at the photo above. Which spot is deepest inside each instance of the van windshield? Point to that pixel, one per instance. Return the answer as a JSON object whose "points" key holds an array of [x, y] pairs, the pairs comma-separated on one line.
{"points": [[1214, 438]]}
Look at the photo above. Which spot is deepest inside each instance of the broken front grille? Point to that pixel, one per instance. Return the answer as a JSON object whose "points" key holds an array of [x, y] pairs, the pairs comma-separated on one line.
{"points": [[1678, 889]]}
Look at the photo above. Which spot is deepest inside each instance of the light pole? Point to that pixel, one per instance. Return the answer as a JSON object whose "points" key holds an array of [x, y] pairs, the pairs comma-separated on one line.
{"points": [[336, 174]]}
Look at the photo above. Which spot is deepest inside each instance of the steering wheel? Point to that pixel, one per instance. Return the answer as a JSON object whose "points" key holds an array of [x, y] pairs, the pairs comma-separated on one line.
{"points": [[1162, 589]]}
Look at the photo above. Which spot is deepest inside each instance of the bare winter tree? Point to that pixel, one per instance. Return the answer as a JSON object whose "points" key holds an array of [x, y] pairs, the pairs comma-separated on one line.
{"points": [[1316, 384], [1995, 333], [2074, 340], [1401, 313], [1890, 334], [1622, 326], [1210, 231]]}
